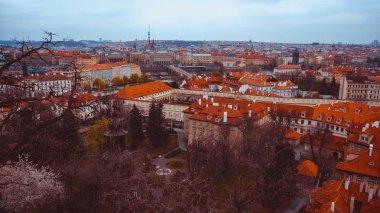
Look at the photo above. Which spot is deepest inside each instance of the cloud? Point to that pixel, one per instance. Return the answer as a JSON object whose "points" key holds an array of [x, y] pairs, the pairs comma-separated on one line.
{"points": [[261, 20]]}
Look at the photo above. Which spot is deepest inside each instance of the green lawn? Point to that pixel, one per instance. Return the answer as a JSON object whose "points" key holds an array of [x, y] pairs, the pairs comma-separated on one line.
{"points": [[176, 164], [171, 144], [179, 154]]}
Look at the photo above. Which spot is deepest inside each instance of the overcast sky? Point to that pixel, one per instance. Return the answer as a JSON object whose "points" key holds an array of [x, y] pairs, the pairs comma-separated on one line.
{"points": [[299, 21]]}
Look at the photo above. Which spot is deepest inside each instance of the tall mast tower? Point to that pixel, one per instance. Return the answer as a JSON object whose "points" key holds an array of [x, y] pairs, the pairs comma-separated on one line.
{"points": [[149, 35]]}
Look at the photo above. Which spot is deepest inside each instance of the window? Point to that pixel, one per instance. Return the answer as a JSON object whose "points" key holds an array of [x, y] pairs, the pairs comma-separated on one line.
{"points": [[329, 118], [319, 117], [339, 120], [371, 182], [309, 122], [357, 110], [302, 121], [360, 178], [303, 114], [349, 177]]}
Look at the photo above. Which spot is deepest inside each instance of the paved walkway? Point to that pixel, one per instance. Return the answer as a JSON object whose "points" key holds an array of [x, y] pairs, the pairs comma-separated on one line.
{"points": [[295, 206]]}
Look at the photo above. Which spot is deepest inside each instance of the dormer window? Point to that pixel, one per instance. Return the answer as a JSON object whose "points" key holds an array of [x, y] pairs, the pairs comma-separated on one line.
{"points": [[319, 117], [348, 122], [303, 114], [217, 119], [235, 107], [329, 118], [339, 120], [357, 110], [290, 113], [371, 163], [209, 117]]}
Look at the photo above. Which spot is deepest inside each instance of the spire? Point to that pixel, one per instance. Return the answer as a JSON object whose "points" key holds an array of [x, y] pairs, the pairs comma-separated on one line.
{"points": [[153, 42], [134, 45], [149, 35]]}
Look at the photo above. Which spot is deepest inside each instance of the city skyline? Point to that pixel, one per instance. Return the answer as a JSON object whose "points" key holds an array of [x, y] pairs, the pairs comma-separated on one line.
{"points": [[265, 21]]}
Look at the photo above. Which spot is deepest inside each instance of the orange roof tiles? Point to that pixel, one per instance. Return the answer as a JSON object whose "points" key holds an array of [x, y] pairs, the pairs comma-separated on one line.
{"points": [[335, 191], [136, 91], [118, 64], [361, 165], [48, 77], [291, 66], [236, 109], [307, 168], [293, 135], [96, 67]]}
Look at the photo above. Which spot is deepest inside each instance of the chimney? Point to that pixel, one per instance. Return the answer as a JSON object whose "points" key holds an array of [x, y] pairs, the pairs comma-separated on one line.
{"points": [[205, 97], [332, 208], [249, 113], [225, 117], [200, 102], [370, 194], [206, 105], [370, 150], [347, 183], [212, 100], [352, 204]]}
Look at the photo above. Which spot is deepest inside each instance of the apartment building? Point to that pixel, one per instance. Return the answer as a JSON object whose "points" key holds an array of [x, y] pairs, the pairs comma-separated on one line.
{"points": [[287, 70], [161, 58], [216, 119], [359, 88], [201, 59], [40, 84]]}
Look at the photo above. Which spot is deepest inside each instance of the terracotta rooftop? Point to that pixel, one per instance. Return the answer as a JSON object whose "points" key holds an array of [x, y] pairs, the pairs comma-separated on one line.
{"points": [[136, 91], [364, 164], [307, 168]]}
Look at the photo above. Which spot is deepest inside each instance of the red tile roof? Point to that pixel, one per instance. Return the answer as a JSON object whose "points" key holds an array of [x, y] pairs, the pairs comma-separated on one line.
{"points": [[136, 91], [307, 168], [361, 165]]}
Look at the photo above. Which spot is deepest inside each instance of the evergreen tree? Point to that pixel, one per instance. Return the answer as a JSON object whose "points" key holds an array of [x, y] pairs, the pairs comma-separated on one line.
{"points": [[135, 133], [156, 129]]}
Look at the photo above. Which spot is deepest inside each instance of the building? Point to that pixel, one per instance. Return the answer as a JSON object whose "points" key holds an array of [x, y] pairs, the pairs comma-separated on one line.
{"points": [[87, 60], [161, 58], [262, 82], [342, 196], [148, 91], [91, 72], [287, 70], [201, 59], [121, 69], [359, 88], [142, 96], [137, 57], [364, 170], [40, 85], [216, 119]]}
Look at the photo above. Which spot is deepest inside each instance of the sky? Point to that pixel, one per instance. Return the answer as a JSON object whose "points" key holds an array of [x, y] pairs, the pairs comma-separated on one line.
{"points": [[292, 21]]}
